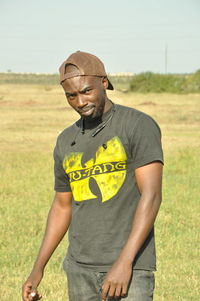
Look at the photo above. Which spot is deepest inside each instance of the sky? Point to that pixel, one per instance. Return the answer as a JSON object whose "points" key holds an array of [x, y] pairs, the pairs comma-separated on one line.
{"points": [[128, 36]]}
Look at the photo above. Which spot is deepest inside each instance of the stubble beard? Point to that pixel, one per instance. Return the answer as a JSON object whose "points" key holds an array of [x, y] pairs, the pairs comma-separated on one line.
{"points": [[98, 112]]}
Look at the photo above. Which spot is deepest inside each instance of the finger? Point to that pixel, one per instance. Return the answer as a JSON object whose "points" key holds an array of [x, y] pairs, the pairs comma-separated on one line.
{"points": [[26, 289], [105, 289], [124, 290], [118, 291], [111, 292], [25, 297], [34, 295]]}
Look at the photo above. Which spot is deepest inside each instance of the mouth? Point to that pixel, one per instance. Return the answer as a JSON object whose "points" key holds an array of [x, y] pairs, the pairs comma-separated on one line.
{"points": [[86, 111]]}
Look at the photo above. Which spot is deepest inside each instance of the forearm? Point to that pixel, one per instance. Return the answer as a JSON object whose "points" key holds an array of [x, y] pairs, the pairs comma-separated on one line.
{"points": [[143, 222], [148, 179], [149, 182], [57, 225], [117, 279]]}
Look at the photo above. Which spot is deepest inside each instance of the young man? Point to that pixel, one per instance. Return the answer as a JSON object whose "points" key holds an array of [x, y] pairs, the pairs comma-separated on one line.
{"points": [[108, 174]]}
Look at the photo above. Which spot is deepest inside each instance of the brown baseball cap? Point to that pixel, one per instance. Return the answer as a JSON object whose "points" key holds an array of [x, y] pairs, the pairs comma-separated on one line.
{"points": [[87, 64]]}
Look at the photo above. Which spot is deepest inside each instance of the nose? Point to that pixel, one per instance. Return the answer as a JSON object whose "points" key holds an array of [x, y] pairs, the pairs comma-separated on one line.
{"points": [[81, 101]]}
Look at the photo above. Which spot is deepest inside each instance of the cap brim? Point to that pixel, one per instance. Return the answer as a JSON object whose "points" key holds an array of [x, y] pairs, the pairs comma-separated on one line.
{"points": [[110, 86]]}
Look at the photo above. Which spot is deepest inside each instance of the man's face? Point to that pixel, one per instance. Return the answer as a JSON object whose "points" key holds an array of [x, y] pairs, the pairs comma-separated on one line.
{"points": [[86, 95]]}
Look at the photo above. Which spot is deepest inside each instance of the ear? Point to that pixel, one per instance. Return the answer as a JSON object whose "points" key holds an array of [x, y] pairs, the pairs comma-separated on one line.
{"points": [[105, 82]]}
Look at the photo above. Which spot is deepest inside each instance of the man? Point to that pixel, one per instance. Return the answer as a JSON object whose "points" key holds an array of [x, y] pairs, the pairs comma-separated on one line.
{"points": [[108, 173]]}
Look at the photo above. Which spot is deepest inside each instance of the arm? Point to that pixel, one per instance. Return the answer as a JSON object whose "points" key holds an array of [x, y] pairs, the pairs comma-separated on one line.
{"points": [[58, 221], [149, 181]]}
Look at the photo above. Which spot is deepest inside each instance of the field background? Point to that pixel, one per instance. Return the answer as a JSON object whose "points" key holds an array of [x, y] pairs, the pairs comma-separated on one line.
{"points": [[31, 116]]}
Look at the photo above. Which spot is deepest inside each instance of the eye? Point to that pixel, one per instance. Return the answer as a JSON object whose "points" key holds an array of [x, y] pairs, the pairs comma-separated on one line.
{"points": [[70, 96], [87, 90]]}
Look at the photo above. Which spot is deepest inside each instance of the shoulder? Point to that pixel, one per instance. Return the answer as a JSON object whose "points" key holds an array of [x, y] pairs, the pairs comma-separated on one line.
{"points": [[66, 137], [128, 112], [68, 132], [134, 118]]}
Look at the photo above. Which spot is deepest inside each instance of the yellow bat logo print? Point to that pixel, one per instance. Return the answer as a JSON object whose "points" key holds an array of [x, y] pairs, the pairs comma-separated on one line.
{"points": [[108, 170]]}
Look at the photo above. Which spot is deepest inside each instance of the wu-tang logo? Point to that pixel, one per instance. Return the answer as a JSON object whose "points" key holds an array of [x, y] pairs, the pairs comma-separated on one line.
{"points": [[108, 169]]}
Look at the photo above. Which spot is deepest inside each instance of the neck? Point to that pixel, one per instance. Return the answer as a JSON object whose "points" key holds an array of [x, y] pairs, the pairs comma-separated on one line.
{"points": [[108, 105], [100, 122], [89, 124]]}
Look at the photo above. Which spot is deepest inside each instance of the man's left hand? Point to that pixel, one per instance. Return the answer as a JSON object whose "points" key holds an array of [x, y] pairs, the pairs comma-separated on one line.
{"points": [[117, 280]]}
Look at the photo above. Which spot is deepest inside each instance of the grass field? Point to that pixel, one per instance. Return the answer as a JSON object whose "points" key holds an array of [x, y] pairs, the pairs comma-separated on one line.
{"points": [[31, 117]]}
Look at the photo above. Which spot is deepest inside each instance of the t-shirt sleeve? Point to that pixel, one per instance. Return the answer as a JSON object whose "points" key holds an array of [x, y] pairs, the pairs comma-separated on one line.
{"points": [[61, 183], [146, 142]]}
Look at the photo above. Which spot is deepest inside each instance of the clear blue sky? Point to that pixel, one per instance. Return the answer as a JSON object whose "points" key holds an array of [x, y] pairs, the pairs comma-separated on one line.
{"points": [[129, 35]]}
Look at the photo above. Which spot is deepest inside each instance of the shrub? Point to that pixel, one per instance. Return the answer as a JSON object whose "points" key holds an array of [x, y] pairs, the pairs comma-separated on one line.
{"points": [[158, 83], [193, 82]]}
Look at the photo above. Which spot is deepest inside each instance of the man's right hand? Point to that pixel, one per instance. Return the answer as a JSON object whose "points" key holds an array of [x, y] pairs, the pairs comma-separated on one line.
{"points": [[58, 221], [29, 289]]}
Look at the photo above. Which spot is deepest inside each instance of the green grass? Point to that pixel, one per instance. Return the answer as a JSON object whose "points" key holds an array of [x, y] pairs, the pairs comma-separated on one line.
{"points": [[26, 193], [31, 118], [177, 228]]}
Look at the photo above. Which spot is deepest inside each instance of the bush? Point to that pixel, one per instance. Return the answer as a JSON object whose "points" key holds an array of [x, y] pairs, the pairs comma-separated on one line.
{"points": [[158, 83], [144, 82], [29, 78], [193, 82]]}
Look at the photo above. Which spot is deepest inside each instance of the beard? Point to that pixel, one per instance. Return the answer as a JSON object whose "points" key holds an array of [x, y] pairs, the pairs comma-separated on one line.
{"points": [[97, 112]]}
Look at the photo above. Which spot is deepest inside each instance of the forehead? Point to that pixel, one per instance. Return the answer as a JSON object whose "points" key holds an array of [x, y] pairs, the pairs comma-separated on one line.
{"points": [[79, 83]]}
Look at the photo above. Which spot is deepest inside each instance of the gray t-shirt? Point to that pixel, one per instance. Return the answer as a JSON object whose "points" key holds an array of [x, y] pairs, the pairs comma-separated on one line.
{"points": [[98, 167]]}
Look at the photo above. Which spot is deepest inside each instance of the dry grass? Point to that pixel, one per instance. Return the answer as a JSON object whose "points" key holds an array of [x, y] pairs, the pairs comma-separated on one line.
{"points": [[37, 114], [31, 116]]}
